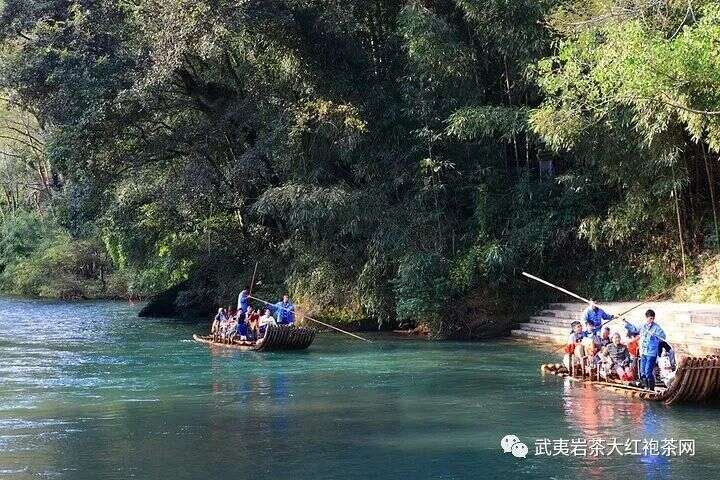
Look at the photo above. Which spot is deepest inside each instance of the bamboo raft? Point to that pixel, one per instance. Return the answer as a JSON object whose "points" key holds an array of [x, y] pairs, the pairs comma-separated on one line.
{"points": [[697, 380], [277, 338]]}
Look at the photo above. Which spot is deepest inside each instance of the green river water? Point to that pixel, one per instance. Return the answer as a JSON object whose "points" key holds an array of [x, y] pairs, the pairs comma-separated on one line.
{"points": [[90, 391]]}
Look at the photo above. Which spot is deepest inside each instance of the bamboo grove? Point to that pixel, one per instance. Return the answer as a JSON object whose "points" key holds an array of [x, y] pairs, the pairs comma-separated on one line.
{"points": [[399, 161]]}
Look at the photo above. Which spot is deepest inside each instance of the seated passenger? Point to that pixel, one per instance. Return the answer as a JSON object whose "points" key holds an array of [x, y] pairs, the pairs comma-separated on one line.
{"points": [[590, 344], [605, 337], [231, 328], [576, 336], [219, 318], [604, 362], [224, 322], [667, 374], [633, 345], [666, 348], [285, 311], [265, 320], [619, 358], [252, 319]]}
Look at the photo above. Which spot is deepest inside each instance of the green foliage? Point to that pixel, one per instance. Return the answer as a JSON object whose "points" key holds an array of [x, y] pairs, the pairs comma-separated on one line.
{"points": [[422, 290], [493, 122], [385, 160], [21, 235], [705, 287], [40, 259], [665, 72]]}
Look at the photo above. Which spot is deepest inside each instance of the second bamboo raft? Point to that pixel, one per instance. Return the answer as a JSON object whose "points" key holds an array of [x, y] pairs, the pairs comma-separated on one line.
{"points": [[697, 380]]}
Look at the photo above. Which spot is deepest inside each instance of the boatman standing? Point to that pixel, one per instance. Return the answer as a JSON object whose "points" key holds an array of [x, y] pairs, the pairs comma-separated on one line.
{"points": [[596, 315], [285, 311], [243, 301], [650, 336]]}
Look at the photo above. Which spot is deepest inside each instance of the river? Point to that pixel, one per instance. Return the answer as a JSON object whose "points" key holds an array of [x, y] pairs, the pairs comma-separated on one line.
{"points": [[90, 391]]}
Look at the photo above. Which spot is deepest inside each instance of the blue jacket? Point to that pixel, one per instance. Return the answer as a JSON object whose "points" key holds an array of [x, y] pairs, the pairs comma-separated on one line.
{"points": [[243, 301], [284, 313], [596, 316], [650, 337], [631, 329]]}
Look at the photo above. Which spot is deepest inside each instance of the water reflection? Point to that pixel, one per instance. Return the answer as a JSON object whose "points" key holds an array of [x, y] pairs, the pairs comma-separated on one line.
{"points": [[632, 423], [655, 466]]}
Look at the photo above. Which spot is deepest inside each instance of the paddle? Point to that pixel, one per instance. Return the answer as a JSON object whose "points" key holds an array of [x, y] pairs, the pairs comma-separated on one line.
{"points": [[318, 321]]}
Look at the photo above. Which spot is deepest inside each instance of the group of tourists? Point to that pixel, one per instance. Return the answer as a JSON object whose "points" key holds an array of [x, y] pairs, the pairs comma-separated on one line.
{"points": [[638, 357], [247, 323]]}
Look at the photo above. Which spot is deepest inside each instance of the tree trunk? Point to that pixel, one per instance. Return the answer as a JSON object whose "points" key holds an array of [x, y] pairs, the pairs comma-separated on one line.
{"points": [[711, 187], [680, 230]]}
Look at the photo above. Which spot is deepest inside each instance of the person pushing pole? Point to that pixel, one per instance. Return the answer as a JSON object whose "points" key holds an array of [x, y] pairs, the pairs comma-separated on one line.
{"points": [[316, 321]]}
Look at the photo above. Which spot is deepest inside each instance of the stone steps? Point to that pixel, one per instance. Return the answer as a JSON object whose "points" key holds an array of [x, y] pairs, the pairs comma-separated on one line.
{"points": [[551, 321], [569, 315], [569, 307], [692, 327], [551, 325], [539, 337], [541, 328]]}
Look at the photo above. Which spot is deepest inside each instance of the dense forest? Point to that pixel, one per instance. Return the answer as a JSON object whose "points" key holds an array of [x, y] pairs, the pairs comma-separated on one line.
{"points": [[399, 161]]}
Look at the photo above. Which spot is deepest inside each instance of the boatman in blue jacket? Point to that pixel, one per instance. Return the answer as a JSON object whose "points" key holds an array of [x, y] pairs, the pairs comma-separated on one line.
{"points": [[596, 315], [285, 311], [243, 302], [650, 336]]}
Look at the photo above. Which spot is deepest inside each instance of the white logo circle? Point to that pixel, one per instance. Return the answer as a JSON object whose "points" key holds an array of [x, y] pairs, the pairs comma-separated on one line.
{"points": [[508, 441], [519, 450]]}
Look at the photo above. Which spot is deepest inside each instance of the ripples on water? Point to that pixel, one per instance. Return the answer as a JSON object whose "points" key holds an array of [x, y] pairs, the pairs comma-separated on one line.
{"points": [[88, 391]]}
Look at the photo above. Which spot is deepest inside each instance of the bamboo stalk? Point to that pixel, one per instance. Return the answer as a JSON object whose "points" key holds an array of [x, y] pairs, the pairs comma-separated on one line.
{"points": [[680, 234], [711, 186], [679, 222]]}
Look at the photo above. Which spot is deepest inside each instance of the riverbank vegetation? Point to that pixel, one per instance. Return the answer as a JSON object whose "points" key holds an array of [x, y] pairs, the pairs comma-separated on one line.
{"points": [[397, 160]]}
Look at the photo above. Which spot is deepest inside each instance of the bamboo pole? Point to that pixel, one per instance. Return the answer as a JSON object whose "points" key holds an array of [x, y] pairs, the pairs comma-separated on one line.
{"points": [[252, 283], [537, 279], [651, 299], [318, 321]]}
